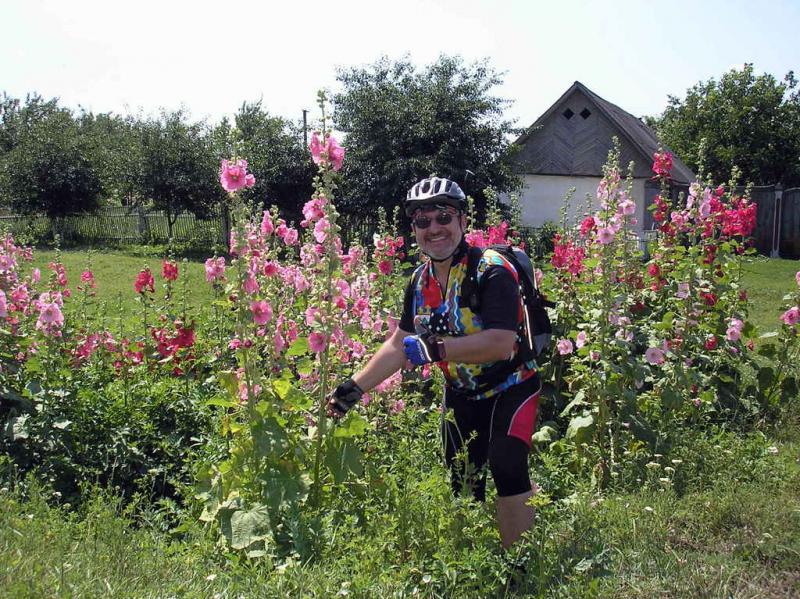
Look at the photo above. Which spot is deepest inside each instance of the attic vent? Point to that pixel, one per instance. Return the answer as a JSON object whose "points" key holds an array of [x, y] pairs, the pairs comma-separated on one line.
{"points": [[568, 114], [585, 113]]}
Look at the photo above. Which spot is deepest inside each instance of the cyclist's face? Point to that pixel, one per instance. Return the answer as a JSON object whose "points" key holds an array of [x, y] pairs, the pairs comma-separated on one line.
{"points": [[438, 240]]}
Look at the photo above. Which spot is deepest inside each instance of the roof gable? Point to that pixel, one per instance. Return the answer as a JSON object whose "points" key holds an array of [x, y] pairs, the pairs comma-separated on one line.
{"points": [[574, 135]]}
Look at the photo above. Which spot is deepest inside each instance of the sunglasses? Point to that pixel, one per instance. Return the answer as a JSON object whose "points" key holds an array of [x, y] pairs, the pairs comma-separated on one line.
{"points": [[443, 218]]}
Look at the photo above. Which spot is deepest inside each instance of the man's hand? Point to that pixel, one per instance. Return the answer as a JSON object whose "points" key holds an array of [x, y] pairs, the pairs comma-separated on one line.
{"points": [[344, 397], [423, 349]]}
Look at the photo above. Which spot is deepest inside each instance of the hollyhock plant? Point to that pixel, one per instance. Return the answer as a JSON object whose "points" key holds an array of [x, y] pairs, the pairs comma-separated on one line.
{"points": [[791, 317], [215, 269], [564, 347], [262, 312], [655, 356]]}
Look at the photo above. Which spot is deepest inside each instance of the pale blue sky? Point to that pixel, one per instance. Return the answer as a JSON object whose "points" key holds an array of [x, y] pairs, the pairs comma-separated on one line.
{"points": [[210, 56]]}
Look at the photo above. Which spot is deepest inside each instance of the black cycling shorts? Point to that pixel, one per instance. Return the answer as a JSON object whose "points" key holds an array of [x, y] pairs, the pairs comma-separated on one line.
{"points": [[496, 430]]}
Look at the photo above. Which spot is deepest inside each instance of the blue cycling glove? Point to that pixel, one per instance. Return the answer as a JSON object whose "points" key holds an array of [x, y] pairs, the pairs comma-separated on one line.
{"points": [[423, 349]]}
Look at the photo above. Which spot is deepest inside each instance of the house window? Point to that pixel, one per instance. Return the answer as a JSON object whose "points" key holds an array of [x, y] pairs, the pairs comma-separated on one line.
{"points": [[568, 114], [585, 113]]}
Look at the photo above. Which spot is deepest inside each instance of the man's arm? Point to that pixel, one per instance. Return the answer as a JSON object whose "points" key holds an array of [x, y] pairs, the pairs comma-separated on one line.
{"points": [[389, 358]]}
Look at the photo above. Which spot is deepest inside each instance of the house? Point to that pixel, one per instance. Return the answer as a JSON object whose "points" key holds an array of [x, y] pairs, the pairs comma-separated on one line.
{"points": [[567, 147]]}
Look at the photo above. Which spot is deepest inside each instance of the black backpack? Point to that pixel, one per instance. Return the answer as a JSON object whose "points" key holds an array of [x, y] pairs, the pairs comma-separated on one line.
{"points": [[536, 328]]}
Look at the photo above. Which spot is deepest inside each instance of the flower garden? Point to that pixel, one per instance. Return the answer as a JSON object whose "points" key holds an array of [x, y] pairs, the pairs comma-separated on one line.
{"points": [[206, 422]]}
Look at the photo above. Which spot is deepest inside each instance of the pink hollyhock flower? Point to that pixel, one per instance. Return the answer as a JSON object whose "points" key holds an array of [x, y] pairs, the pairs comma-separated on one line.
{"points": [[50, 317], [385, 267], [711, 343], [88, 277], [654, 355], [270, 269], [144, 282], [169, 270], [317, 342], [626, 207], [580, 340], [335, 153], [262, 312], [737, 324], [312, 210], [662, 164], [398, 406], [733, 334], [683, 291], [266, 224], [605, 235], [312, 314], [564, 347], [291, 236], [36, 275], [391, 383], [3, 304], [477, 239], [791, 317], [321, 230], [594, 355], [251, 285], [233, 175], [797, 278], [215, 268], [316, 148], [587, 226]]}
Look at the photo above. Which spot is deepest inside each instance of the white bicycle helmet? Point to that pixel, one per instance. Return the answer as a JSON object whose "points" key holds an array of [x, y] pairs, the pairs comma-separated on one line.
{"points": [[434, 190]]}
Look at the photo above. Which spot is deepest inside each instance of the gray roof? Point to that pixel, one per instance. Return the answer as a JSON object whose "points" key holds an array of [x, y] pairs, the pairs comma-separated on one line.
{"points": [[631, 128]]}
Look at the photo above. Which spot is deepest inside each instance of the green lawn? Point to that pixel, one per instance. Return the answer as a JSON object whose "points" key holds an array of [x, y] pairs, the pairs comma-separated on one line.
{"points": [[767, 281]]}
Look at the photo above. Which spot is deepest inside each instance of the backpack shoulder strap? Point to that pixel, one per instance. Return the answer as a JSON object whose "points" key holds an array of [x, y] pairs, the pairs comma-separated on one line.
{"points": [[469, 286]]}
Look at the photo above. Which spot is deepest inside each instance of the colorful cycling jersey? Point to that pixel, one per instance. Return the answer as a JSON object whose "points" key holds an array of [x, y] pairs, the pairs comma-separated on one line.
{"points": [[445, 315]]}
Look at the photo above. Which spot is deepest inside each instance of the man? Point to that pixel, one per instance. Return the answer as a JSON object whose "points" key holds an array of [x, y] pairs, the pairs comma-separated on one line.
{"points": [[493, 397]]}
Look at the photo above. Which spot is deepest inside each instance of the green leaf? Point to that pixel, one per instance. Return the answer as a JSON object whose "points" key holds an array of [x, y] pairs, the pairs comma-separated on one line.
{"points": [[305, 366], [546, 434], [16, 428], [580, 428], [354, 425], [62, 424], [768, 335], [578, 400], [670, 399], [344, 460], [222, 402], [244, 528], [766, 377], [282, 387], [299, 347]]}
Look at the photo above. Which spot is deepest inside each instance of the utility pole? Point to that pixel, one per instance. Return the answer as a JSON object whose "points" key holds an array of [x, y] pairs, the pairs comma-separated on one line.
{"points": [[305, 127]]}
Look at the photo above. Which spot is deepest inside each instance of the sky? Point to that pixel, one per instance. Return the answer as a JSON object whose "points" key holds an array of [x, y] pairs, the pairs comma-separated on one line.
{"points": [[209, 57]]}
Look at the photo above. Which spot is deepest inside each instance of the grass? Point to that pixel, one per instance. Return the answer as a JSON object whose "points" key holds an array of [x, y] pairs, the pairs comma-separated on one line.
{"points": [[737, 537], [767, 280]]}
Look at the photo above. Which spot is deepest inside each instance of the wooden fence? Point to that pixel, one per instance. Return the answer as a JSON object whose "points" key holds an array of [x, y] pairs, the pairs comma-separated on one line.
{"points": [[777, 232], [118, 225]]}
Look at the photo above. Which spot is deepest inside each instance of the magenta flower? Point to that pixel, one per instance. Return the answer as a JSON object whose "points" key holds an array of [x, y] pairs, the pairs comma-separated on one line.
{"points": [[316, 148], [36, 275], [791, 317], [335, 153], [320, 230], [169, 271], [580, 340], [317, 342], [564, 347], [3, 304], [662, 164], [266, 224], [144, 282], [262, 312], [385, 267], [215, 268], [233, 176], [654, 355], [50, 318], [251, 285]]}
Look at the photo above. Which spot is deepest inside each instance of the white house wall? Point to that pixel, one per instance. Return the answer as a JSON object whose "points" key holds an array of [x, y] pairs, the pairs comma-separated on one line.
{"points": [[543, 196]]}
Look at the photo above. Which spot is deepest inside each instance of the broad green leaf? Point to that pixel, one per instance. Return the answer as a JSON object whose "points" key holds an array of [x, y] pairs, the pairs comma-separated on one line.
{"points": [[282, 387], [546, 434], [580, 428], [344, 460], [354, 425], [768, 335], [305, 366], [222, 402], [299, 347], [766, 377], [244, 528], [578, 400], [62, 424]]}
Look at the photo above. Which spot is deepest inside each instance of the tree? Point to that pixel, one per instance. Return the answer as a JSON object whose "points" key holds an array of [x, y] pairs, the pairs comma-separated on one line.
{"points": [[403, 124], [282, 166], [45, 167], [179, 167], [748, 121]]}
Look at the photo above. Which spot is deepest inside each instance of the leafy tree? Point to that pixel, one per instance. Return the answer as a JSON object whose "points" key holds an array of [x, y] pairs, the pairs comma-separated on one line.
{"points": [[116, 153], [404, 123], [179, 167], [45, 166], [276, 156], [748, 121]]}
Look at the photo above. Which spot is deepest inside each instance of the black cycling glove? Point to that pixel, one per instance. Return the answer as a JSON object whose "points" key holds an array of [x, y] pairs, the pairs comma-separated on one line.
{"points": [[345, 396]]}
